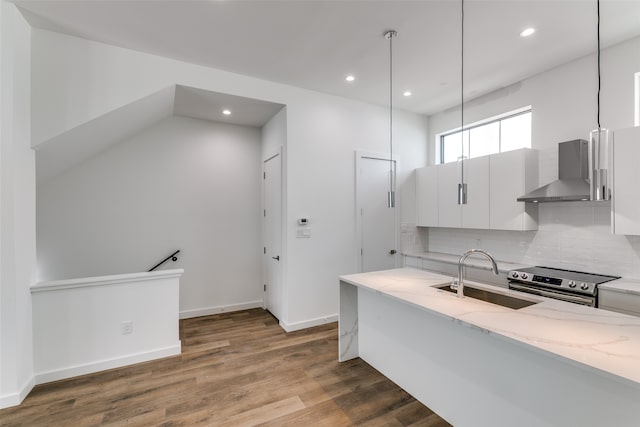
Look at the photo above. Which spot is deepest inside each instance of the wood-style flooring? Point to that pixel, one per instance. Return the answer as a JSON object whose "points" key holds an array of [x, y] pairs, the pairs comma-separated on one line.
{"points": [[236, 369]]}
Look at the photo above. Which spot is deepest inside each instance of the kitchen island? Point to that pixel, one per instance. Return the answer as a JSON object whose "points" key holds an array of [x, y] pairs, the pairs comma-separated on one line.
{"points": [[479, 364]]}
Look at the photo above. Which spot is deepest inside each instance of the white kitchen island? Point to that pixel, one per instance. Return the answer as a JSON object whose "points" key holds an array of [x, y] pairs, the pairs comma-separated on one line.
{"points": [[479, 364]]}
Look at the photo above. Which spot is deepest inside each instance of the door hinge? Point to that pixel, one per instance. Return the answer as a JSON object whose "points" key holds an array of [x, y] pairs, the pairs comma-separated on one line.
{"points": [[264, 250], [265, 288], [264, 175], [361, 211], [361, 252], [265, 212]]}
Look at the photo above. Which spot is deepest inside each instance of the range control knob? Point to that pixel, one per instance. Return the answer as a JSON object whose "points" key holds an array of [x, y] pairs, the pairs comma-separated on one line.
{"points": [[524, 275], [514, 274], [572, 284], [584, 286]]}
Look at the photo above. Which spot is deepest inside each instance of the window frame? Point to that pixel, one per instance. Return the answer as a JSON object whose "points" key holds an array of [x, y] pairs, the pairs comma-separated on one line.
{"points": [[468, 128]]}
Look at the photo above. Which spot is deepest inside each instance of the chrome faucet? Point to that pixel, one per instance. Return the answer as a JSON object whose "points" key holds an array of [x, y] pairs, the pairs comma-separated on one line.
{"points": [[459, 285]]}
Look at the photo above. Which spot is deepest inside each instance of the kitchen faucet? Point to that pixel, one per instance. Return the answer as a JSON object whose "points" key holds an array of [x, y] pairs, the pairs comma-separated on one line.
{"points": [[459, 285]]}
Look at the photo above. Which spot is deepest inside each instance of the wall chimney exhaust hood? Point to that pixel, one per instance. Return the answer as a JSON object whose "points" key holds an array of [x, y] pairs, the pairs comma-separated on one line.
{"points": [[573, 176]]}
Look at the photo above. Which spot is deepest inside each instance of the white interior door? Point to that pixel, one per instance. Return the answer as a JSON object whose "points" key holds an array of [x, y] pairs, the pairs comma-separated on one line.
{"points": [[273, 235], [378, 235]]}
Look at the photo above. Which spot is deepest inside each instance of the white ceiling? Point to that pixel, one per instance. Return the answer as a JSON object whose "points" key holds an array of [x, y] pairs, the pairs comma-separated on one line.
{"points": [[207, 105], [314, 44]]}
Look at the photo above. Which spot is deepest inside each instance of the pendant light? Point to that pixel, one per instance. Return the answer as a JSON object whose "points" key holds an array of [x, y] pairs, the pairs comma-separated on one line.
{"points": [[462, 186], [599, 146], [391, 195]]}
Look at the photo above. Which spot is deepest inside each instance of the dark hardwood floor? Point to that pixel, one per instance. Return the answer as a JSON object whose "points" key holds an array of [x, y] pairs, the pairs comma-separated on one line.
{"points": [[236, 369]]}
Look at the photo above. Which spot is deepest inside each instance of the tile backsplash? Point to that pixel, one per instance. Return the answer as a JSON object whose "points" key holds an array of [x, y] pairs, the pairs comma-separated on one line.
{"points": [[571, 235]]}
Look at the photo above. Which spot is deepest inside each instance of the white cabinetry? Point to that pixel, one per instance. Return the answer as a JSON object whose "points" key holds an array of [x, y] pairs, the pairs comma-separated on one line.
{"points": [[626, 182], [475, 214], [493, 184], [427, 200], [449, 212], [512, 174]]}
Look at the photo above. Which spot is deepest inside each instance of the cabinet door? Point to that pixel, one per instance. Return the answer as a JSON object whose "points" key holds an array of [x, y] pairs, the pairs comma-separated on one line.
{"points": [[511, 175], [449, 211], [626, 181], [427, 196], [475, 214]]}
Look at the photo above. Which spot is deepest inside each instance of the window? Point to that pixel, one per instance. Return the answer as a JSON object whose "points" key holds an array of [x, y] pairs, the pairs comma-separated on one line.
{"points": [[507, 132]]}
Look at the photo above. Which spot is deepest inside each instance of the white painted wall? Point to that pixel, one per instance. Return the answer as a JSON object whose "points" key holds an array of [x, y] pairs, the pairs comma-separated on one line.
{"points": [[89, 337], [183, 183], [574, 235], [323, 131], [17, 208], [274, 134]]}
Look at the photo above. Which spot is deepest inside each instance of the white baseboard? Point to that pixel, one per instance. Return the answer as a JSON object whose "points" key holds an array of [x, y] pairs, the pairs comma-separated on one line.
{"points": [[290, 327], [15, 399], [102, 365], [207, 311]]}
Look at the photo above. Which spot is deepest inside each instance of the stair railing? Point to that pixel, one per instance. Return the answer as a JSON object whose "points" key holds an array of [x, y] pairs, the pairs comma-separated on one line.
{"points": [[172, 257]]}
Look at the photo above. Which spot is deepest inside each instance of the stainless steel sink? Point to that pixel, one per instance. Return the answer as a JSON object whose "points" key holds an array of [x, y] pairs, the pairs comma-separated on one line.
{"points": [[491, 297]]}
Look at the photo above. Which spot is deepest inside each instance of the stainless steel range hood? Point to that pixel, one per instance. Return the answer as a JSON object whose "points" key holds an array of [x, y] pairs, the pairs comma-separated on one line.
{"points": [[573, 176]]}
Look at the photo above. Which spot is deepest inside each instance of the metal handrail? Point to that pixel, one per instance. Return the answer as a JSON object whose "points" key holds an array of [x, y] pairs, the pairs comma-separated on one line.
{"points": [[171, 257]]}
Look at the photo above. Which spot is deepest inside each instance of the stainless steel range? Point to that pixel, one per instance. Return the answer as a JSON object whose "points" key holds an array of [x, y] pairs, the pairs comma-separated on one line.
{"points": [[566, 285]]}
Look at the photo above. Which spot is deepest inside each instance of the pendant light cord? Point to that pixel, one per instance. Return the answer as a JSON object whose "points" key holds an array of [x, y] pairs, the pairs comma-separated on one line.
{"points": [[391, 196], [462, 89], [598, 9], [392, 33]]}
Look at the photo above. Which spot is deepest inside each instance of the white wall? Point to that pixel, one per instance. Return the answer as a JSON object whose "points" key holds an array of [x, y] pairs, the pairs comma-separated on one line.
{"points": [[274, 134], [17, 209], [183, 183], [323, 132], [89, 337], [574, 235]]}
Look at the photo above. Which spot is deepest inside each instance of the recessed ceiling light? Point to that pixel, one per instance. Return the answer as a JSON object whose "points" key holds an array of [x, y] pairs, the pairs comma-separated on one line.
{"points": [[407, 93], [226, 112], [350, 78], [527, 32]]}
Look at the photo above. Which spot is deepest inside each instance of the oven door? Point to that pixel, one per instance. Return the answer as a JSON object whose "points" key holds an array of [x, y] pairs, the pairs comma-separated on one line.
{"points": [[562, 296]]}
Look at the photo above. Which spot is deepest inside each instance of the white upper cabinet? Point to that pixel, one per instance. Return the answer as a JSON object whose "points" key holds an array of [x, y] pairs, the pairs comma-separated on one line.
{"points": [[626, 182], [475, 214], [512, 174], [493, 184], [427, 196], [449, 211]]}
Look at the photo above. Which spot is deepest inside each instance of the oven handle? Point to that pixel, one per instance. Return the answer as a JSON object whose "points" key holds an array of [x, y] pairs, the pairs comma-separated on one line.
{"points": [[555, 295]]}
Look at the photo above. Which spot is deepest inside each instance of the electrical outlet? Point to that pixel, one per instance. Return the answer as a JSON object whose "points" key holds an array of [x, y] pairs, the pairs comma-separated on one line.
{"points": [[127, 327]]}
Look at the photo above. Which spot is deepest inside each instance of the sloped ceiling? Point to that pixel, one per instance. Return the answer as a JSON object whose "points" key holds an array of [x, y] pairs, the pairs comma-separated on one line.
{"points": [[73, 147]]}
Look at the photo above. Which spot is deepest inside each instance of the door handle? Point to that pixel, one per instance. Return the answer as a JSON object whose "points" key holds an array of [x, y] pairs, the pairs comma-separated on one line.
{"points": [[392, 252], [277, 258]]}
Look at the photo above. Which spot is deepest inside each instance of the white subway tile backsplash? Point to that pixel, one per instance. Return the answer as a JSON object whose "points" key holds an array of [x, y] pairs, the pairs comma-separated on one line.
{"points": [[572, 235], [412, 238]]}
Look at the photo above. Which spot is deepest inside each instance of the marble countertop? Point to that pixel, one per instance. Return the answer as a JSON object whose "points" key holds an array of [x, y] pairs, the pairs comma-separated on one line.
{"points": [[627, 286], [474, 261], [605, 342]]}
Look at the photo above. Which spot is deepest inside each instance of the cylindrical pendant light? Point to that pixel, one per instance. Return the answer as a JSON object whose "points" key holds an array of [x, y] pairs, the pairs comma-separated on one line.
{"points": [[391, 195], [462, 186], [599, 146]]}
